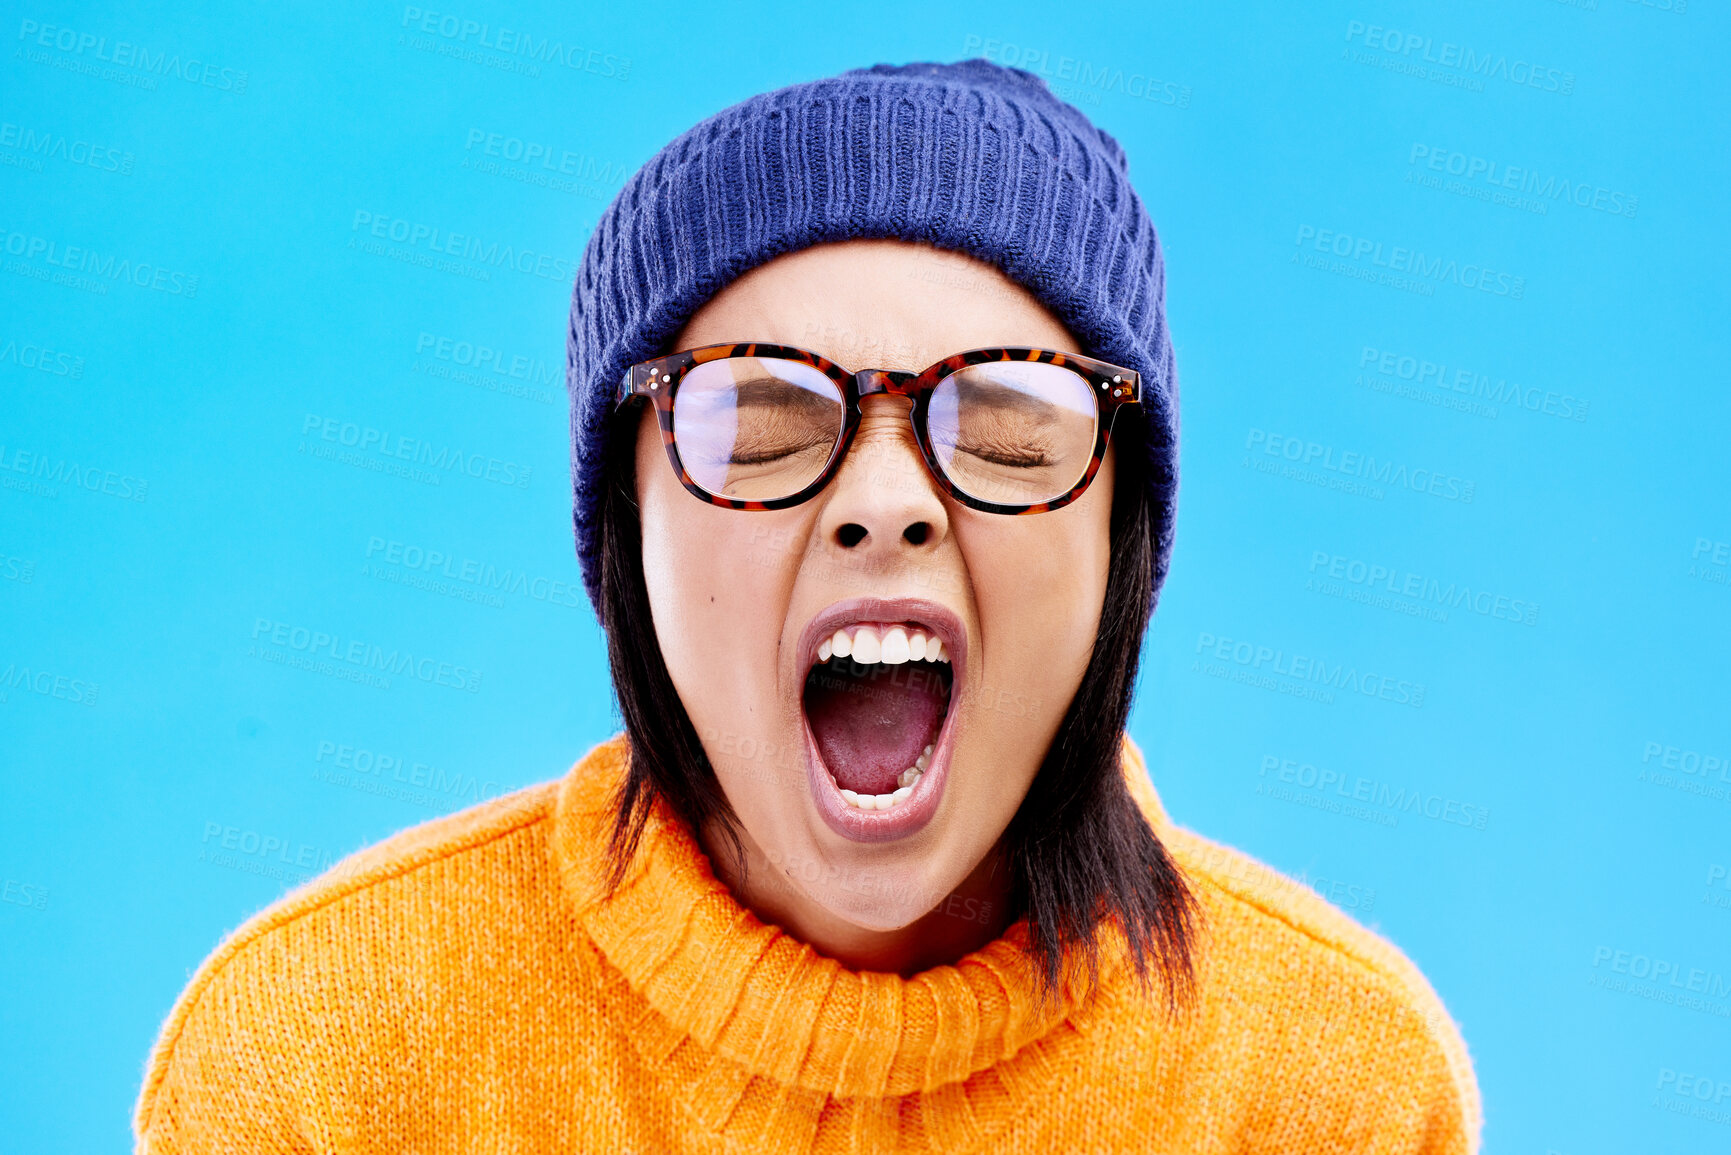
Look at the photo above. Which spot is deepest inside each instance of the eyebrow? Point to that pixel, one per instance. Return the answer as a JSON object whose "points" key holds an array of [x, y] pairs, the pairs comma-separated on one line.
{"points": [[998, 395], [777, 392], [1003, 395]]}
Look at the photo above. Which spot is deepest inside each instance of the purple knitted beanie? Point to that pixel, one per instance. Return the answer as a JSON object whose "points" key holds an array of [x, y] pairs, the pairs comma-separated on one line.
{"points": [[970, 157]]}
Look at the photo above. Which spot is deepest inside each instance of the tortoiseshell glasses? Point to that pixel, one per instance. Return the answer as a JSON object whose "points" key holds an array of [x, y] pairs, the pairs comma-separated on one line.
{"points": [[1012, 430]]}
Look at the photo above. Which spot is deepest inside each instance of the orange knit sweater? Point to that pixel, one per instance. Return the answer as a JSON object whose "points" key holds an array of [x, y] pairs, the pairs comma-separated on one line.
{"points": [[461, 988]]}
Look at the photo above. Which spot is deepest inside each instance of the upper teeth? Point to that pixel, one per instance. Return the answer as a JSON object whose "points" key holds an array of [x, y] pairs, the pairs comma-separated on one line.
{"points": [[893, 647]]}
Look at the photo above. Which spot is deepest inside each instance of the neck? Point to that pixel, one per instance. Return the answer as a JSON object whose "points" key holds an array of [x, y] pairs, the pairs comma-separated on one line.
{"points": [[962, 922]]}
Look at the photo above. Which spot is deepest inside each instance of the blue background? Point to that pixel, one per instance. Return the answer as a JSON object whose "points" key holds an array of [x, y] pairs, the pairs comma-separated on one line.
{"points": [[1560, 848]]}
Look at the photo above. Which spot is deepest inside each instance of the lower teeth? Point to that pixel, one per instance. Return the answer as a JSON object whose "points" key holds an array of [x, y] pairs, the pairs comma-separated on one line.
{"points": [[906, 782]]}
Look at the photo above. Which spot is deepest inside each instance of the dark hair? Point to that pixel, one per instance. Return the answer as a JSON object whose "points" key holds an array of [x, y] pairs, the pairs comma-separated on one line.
{"points": [[1079, 851]]}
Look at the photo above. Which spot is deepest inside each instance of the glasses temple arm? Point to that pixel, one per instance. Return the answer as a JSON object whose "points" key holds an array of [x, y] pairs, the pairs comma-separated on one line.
{"points": [[630, 385]]}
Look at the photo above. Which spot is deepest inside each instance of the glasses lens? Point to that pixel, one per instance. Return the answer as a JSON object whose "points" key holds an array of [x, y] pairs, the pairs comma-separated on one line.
{"points": [[756, 428], [1013, 432]]}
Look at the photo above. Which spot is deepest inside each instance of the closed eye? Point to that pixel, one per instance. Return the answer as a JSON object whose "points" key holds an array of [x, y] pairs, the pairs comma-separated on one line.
{"points": [[1011, 457]]}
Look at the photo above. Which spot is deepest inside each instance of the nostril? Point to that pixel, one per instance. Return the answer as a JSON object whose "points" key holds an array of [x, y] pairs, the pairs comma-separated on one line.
{"points": [[851, 534], [917, 533]]}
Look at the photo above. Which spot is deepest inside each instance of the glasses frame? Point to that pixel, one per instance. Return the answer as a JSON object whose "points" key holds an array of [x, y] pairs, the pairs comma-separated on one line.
{"points": [[657, 382]]}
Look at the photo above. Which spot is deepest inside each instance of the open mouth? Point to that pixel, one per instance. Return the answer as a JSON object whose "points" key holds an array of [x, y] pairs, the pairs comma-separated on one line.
{"points": [[876, 700]]}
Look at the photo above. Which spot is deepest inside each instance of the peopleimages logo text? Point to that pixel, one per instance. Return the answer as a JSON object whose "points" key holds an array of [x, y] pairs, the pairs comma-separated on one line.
{"points": [[396, 446], [124, 54], [1362, 466], [1310, 668], [47, 683], [1473, 169], [377, 766], [1688, 1091], [267, 846], [1358, 788], [316, 644], [549, 157], [484, 358], [1413, 262], [1418, 48], [484, 575], [40, 467], [1687, 761], [1696, 980], [42, 358], [416, 234], [1374, 576], [1072, 77], [82, 259], [512, 42], [1481, 386], [46, 144]]}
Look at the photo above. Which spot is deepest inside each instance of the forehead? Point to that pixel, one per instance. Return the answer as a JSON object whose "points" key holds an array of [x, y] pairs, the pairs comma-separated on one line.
{"points": [[877, 304]]}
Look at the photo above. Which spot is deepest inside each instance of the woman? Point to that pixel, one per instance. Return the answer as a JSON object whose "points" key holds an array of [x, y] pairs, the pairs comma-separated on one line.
{"points": [[874, 436]]}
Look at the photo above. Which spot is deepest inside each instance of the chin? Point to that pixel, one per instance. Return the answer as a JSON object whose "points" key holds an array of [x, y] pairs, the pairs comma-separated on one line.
{"points": [[877, 914]]}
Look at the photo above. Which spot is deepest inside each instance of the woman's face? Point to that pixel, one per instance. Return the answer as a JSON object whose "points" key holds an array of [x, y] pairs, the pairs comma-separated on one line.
{"points": [[743, 599]]}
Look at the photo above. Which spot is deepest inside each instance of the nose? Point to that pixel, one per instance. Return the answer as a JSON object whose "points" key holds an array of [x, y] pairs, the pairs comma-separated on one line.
{"points": [[883, 505]]}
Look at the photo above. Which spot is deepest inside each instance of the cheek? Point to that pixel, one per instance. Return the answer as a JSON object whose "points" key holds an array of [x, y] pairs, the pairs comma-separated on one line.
{"points": [[1039, 583], [1039, 589], [717, 581], [1039, 580]]}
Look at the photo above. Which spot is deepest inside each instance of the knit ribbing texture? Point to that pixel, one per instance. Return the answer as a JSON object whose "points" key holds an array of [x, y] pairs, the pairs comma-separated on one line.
{"points": [[467, 986], [970, 157]]}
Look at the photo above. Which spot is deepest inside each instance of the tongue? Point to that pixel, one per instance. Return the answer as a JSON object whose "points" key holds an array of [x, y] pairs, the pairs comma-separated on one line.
{"points": [[872, 722]]}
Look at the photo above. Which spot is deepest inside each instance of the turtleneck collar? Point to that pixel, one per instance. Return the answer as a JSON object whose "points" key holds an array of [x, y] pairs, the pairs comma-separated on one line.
{"points": [[709, 972]]}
